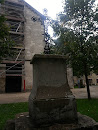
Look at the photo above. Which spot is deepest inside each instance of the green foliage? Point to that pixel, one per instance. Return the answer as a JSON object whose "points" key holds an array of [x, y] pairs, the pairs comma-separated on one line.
{"points": [[5, 40], [1, 1], [77, 34]]}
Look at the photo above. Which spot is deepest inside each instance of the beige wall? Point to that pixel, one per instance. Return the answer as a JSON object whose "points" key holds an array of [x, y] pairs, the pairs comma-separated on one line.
{"points": [[2, 78], [28, 75], [34, 38], [92, 76], [70, 77], [34, 42]]}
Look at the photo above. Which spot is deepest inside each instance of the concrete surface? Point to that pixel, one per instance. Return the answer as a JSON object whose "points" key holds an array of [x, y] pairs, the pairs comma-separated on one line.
{"points": [[79, 93]]}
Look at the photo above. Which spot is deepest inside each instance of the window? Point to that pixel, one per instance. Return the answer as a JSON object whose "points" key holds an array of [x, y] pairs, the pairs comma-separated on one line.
{"points": [[90, 81], [96, 80]]}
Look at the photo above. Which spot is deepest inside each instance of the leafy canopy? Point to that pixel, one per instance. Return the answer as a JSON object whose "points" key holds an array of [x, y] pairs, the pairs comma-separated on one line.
{"points": [[5, 41], [77, 31]]}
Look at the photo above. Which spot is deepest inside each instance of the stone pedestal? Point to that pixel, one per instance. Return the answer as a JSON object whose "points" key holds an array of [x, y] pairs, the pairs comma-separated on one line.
{"points": [[51, 100]]}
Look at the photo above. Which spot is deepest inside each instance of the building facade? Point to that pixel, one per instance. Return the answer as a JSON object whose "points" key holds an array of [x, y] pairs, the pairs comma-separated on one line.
{"points": [[93, 79], [27, 30]]}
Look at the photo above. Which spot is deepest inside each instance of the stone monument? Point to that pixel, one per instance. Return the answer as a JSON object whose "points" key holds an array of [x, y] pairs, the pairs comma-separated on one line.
{"points": [[52, 105], [51, 100]]}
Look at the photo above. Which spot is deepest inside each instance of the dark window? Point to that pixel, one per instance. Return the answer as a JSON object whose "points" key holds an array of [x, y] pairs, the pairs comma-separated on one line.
{"points": [[96, 80], [90, 81]]}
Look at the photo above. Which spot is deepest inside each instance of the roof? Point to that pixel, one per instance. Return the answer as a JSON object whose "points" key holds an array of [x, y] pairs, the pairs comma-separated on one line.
{"points": [[35, 11]]}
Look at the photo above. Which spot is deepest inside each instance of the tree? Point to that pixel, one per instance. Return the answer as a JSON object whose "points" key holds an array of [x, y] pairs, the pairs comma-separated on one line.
{"points": [[5, 40], [77, 32]]}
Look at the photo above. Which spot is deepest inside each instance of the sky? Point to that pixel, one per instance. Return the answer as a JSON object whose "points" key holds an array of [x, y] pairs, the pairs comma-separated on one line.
{"points": [[53, 6]]}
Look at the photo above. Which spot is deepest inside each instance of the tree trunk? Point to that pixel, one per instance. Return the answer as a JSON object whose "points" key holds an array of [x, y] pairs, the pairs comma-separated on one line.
{"points": [[87, 83]]}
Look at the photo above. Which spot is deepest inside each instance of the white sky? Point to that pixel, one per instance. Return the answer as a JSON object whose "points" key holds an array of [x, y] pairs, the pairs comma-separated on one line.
{"points": [[53, 6]]}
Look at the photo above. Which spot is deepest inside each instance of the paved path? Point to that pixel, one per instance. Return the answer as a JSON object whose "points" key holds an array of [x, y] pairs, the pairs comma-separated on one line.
{"points": [[79, 93]]}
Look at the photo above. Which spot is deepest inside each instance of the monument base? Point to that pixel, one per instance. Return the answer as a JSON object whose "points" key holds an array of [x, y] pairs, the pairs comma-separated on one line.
{"points": [[23, 122], [53, 110], [51, 100]]}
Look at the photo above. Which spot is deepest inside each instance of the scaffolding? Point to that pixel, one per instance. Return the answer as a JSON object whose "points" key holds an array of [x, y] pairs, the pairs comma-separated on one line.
{"points": [[14, 12], [16, 69]]}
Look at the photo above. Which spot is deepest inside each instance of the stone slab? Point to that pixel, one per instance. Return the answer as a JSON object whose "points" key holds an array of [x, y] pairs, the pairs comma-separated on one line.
{"points": [[47, 56], [52, 92], [23, 122], [57, 110]]}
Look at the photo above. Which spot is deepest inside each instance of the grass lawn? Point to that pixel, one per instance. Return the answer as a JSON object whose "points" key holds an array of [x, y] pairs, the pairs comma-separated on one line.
{"points": [[88, 107], [8, 111]]}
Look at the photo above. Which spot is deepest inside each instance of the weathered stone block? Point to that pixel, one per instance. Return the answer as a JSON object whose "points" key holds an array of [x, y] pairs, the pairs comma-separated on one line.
{"points": [[23, 122], [48, 111], [51, 100]]}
